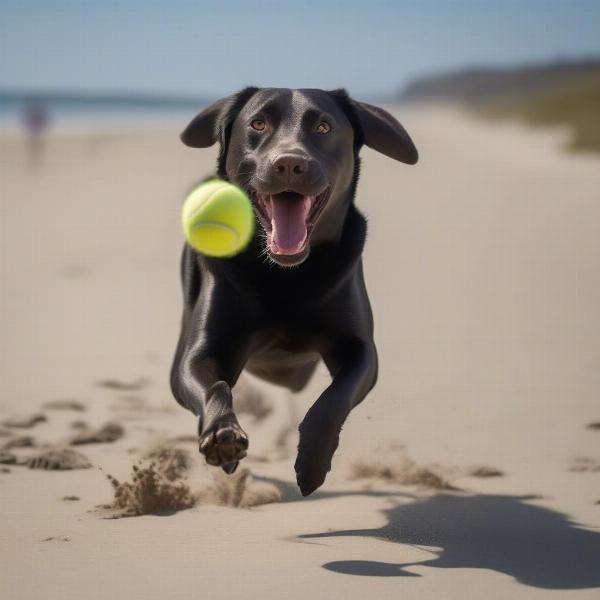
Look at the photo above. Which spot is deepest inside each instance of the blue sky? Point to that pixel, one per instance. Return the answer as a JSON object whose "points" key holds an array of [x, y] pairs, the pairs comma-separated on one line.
{"points": [[206, 47]]}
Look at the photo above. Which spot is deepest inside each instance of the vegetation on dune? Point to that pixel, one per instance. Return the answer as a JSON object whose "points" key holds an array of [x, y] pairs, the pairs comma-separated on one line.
{"points": [[562, 93], [574, 103]]}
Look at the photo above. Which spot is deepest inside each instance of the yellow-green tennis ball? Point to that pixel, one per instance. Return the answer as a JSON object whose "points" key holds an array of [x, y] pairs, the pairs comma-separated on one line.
{"points": [[218, 219]]}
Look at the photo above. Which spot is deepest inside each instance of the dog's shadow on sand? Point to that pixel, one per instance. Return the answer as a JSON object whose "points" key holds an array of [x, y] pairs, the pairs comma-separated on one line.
{"points": [[537, 546]]}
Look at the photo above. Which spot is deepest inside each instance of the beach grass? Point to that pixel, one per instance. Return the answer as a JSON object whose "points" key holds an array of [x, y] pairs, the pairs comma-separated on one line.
{"points": [[575, 103]]}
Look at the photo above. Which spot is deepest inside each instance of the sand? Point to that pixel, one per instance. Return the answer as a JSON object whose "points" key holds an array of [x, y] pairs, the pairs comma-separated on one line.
{"points": [[471, 469]]}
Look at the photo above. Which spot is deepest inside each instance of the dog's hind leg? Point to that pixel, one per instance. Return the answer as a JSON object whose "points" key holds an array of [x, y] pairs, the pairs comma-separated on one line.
{"points": [[293, 377]]}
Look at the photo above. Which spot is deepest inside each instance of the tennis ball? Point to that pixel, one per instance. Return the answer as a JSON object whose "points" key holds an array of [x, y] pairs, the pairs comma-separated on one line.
{"points": [[217, 219]]}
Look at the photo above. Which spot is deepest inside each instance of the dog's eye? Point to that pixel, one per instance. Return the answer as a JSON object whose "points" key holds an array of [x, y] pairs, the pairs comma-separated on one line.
{"points": [[258, 124], [323, 127]]}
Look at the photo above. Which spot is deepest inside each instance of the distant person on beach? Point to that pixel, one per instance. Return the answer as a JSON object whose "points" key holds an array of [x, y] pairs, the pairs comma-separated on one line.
{"points": [[35, 122]]}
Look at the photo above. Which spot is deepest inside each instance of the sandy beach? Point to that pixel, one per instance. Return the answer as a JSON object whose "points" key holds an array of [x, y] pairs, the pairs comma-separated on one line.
{"points": [[473, 468]]}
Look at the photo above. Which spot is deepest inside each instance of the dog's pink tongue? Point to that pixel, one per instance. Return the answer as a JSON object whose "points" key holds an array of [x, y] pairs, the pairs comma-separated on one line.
{"points": [[288, 222]]}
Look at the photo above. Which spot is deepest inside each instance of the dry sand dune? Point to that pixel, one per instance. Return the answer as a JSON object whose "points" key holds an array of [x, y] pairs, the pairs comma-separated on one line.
{"points": [[470, 470]]}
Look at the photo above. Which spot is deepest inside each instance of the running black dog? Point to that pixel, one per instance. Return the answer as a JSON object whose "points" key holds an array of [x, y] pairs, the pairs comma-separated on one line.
{"points": [[297, 293]]}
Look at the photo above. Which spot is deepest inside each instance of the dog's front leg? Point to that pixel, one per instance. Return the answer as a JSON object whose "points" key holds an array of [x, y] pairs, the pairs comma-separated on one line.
{"points": [[354, 368], [202, 380]]}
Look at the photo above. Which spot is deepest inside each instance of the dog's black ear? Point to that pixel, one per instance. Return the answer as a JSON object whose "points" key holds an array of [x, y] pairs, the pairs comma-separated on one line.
{"points": [[202, 132], [207, 126], [383, 133]]}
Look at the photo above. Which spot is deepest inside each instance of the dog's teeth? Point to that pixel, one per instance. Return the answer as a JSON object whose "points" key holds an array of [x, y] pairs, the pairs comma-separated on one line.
{"points": [[269, 207], [308, 204]]}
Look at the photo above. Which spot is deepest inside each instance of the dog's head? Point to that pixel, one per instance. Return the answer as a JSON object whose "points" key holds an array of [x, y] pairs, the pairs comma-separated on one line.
{"points": [[295, 152]]}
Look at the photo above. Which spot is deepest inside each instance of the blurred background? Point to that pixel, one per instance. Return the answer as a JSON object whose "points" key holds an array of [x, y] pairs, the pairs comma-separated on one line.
{"points": [[482, 264], [90, 61]]}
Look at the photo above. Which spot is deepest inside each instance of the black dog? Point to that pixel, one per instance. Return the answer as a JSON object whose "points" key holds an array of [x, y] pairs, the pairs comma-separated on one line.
{"points": [[297, 293]]}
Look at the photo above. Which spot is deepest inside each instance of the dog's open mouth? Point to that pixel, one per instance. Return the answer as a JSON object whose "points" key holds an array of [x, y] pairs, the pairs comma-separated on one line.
{"points": [[288, 218]]}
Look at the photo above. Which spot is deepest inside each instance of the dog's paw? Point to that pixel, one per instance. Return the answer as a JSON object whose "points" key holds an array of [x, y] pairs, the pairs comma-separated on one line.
{"points": [[224, 445], [314, 461], [309, 479]]}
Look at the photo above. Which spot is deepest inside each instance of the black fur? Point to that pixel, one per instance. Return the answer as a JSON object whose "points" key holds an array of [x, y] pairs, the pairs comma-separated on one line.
{"points": [[276, 316]]}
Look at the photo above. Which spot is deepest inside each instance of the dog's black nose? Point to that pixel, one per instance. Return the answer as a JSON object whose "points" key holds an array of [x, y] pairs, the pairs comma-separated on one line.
{"points": [[288, 168]]}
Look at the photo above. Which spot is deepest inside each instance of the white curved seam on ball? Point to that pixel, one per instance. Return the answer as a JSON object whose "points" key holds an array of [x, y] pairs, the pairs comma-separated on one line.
{"points": [[216, 224], [205, 201]]}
